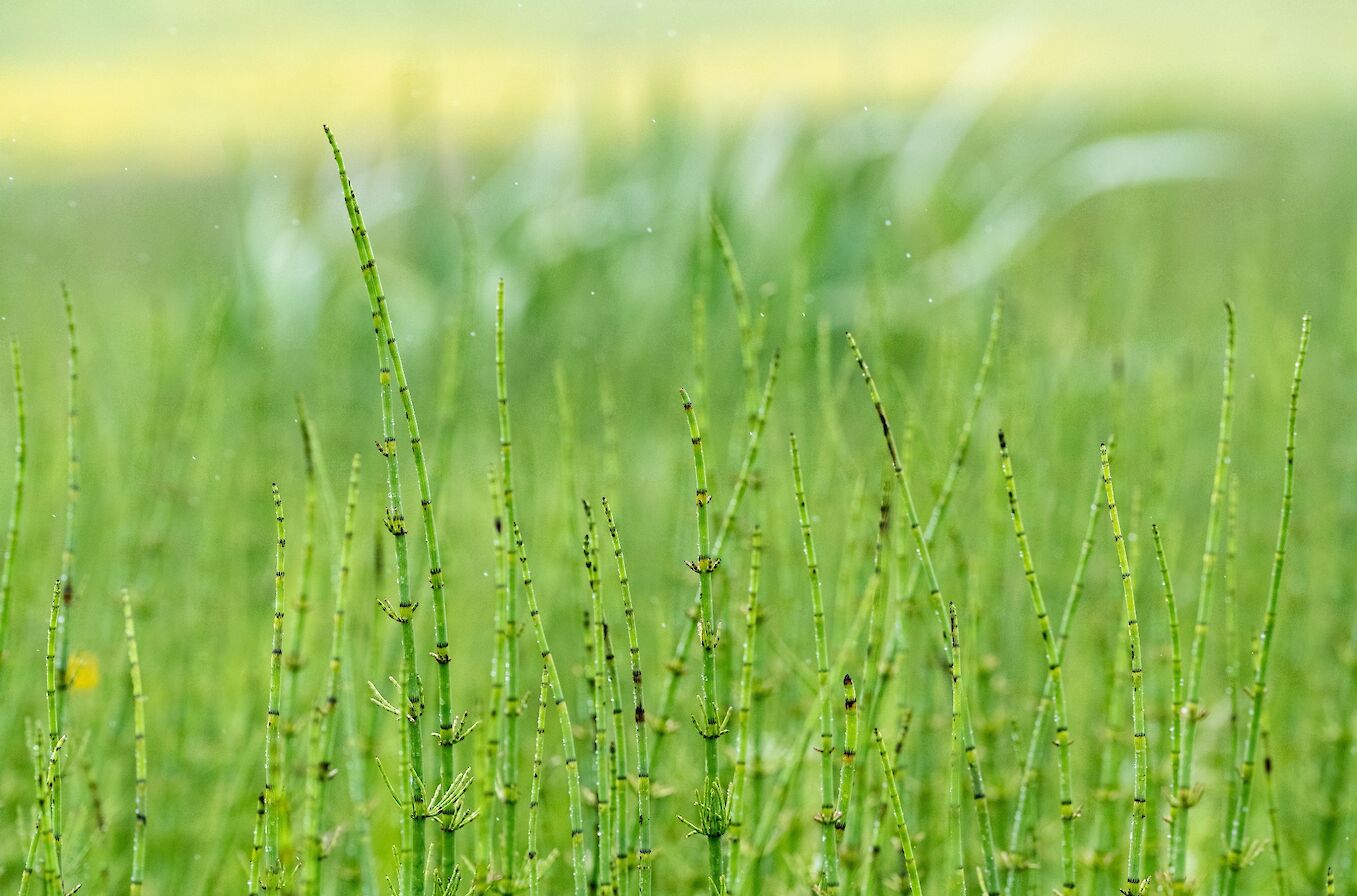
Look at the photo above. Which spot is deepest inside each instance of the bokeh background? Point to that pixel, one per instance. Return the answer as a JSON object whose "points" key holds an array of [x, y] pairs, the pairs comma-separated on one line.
{"points": [[1116, 174]]}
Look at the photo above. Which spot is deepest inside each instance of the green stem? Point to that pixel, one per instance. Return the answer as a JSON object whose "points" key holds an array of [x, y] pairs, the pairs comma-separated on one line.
{"points": [[1239, 813], [1052, 647], [1183, 793], [1135, 877], [828, 815], [713, 818]]}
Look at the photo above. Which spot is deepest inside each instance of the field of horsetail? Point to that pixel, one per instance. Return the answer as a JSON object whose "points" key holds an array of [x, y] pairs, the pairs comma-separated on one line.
{"points": [[654, 518]]}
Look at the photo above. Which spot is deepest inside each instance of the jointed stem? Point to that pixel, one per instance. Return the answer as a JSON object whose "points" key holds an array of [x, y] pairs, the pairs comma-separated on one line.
{"points": [[1239, 812]]}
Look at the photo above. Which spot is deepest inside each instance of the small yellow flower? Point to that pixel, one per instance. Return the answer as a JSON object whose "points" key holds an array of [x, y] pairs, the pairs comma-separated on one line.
{"points": [[82, 671]]}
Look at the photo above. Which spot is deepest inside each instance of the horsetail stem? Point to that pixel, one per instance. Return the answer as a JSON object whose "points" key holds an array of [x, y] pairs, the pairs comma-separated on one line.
{"points": [[256, 871], [572, 766], [382, 318], [713, 817], [1183, 792], [955, 834], [678, 662], [490, 842], [742, 730], [271, 871], [1135, 877], [508, 758], [17, 503], [828, 814], [1053, 648], [72, 499], [603, 780], [41, 830], [912, 885], [874, 661], [293, 659], [1232, 685], [618, 757], [1239, 814], [744, 318], [138, 750], [1176, 806], [535, 787], [850, 743], [1036, 740], [1278, 868], [321, 759], [52, 866], [921, 544], [643, 823]]}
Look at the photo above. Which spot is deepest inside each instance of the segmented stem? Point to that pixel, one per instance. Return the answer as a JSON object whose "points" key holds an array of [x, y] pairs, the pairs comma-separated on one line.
{"points": [[921, 544], [535, 787], [322, 739], [677, 664], [138, 750], [271, 872], [17, 503], [1239, 814], [742, 717], [385, 331], [898, 810], [828, 815], [1135, 877], [572, 766], [1192, 712], [1053, 649], [508, 758], [72, 499], [712, 724], [643, 822], [52, 866]]}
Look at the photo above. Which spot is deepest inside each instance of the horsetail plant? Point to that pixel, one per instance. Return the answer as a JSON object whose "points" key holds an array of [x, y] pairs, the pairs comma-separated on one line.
{"points": [[1176, 666], [743, 316], [450, 729], [271, 871], [52, 864], [535, 787], [1052, 647], [828, 815], [572, 766], [912, 885], [1239, 812], [508, 760], [618, 758], [72, 499], [850, 752], [712, 799], [138, 750], [1036, 738], [643, 821], [603, 780], [17, 502], [1136, 880], [1185, 796], [742, 717], [991, 866], [678, 662], [955, 835], [320, 760], [45, 775], [293, 659]]}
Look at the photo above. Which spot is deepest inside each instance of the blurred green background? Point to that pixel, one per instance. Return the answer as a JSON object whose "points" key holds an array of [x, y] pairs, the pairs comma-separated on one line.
{"points": [[1116, 175]]}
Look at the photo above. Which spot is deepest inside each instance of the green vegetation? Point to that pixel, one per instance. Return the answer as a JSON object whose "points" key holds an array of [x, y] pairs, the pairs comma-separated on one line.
{"points": [[868, 658]]}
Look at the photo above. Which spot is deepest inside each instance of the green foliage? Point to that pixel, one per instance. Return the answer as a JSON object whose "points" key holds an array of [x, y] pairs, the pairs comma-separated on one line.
{"points": [[1112, 321]]}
